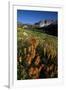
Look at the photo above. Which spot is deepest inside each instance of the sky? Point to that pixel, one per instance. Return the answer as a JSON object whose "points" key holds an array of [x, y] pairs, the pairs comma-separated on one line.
{"points": [[31, 17]]}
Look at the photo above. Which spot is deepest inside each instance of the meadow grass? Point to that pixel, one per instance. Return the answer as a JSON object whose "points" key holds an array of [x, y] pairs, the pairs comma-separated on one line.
{"points": [[34, 46]]}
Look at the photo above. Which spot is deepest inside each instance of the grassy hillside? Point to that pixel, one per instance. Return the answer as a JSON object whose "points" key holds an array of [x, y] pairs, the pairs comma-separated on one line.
{"points": [[36, 55]]}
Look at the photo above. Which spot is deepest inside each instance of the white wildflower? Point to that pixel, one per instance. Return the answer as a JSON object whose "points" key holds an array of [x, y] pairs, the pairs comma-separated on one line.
{"points": [[25, 34]]}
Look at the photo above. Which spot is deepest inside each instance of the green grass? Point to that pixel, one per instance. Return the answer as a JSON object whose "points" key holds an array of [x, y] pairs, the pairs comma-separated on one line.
{"points": [[38, 35]]}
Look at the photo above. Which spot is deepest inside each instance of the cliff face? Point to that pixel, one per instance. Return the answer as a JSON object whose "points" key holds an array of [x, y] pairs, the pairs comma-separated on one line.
{"points": [[44, 23]]}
